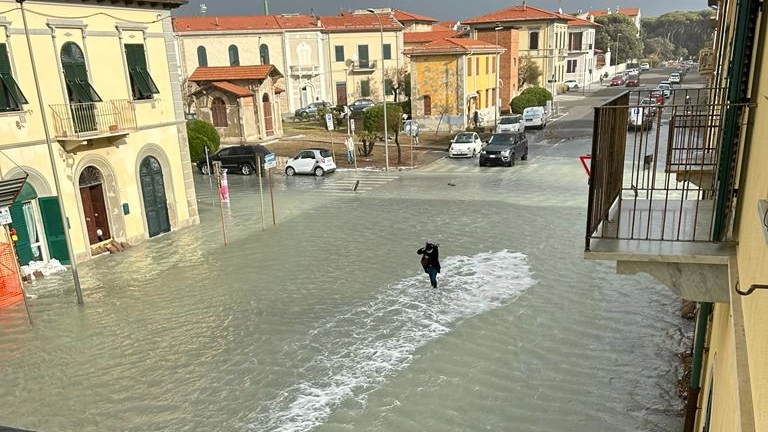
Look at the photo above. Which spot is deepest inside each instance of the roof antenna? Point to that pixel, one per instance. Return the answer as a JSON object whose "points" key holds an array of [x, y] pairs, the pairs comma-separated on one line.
{"points": [[203, 9], [266, 8]]}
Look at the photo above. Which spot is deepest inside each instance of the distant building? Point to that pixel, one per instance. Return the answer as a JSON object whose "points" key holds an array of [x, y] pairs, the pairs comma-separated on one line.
{"points": [[580, 63], [633, 13]]}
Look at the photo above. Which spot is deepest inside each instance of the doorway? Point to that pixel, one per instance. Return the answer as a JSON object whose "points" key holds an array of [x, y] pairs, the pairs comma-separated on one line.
{"points": [[94, 206], [153, 191], [267, 108]]}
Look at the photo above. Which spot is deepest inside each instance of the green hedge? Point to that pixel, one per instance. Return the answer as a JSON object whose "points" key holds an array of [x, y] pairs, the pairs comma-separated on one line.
{"points": [[532, 96], [199, 135]]}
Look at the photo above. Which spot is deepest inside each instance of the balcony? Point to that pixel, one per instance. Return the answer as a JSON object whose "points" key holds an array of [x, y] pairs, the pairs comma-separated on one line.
{"points": [[707, 62], [75, 124], [364, 66], [654, 199], [305, 70]]}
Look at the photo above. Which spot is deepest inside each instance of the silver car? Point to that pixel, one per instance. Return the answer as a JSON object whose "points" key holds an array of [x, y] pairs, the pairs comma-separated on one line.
{"points": [[511, 123]]}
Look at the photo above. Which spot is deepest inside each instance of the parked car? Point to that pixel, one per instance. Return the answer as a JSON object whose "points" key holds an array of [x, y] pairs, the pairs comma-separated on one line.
{"points": [[640, 118], [311, 109], [657, 95], [666, 89], [645, 66], [632, 81], [571, 83], [504, 149], [674, 78], [535, 116], [465, 144], [317, 161], [361, 105], [617, 80], [510, 123], [241, 158]]}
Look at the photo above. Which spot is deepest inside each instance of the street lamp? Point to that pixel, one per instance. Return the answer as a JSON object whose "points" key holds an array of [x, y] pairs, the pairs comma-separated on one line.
{"points": [[498, 66], [618, 36], [383, 90]]}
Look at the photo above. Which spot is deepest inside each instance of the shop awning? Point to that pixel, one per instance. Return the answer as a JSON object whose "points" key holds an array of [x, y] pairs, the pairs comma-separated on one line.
{"points": [[9, 189]]}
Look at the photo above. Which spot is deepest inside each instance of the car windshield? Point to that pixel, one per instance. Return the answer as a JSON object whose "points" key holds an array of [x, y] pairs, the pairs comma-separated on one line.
{"points": [[509, 120], [463, 138], [325, 153], [663, 86], [502, 139]]}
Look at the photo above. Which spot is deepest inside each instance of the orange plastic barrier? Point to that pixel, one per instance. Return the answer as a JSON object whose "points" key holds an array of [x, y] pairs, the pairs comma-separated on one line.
{"points": [[10, 285]]}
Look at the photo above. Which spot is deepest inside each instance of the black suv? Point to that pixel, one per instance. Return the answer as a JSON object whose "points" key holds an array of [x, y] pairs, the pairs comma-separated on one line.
{"points": [[504, 149], [310, 110], [242, 158]]}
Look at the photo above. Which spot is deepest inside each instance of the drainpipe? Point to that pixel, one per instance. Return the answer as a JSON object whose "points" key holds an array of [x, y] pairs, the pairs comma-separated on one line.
{"points": [[694, 385]]}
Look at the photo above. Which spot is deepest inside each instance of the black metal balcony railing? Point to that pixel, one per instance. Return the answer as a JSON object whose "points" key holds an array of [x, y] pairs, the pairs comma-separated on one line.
{"points": [[84, 120], [659, 182], [364, 65]]}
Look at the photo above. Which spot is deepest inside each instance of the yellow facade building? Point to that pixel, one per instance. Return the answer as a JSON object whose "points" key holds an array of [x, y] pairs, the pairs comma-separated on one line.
{"points": [[452, 78], [112, 109], [700, 223]]}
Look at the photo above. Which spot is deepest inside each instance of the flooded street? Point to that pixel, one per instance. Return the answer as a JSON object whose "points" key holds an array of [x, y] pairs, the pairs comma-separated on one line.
{"points": [[326, 321]]}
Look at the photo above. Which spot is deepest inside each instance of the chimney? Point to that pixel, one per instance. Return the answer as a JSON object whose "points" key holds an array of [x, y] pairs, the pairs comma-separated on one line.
{"points": [[525, 7], [217, 22], [266, 8]]}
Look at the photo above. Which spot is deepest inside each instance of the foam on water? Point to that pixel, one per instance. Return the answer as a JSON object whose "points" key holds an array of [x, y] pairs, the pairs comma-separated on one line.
{"points": [[359, 349]]}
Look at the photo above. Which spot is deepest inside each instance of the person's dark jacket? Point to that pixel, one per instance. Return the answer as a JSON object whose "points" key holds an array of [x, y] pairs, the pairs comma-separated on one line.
{"points": [[429, 256]]}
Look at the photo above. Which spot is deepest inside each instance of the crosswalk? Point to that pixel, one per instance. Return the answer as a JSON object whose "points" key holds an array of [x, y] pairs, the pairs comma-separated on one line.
{"points": [[358, 183]]}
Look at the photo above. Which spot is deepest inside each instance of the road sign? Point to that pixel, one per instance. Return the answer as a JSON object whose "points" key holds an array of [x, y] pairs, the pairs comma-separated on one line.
{"points": [[5, 215], [329, 121], [352, 125], [269, 160]]}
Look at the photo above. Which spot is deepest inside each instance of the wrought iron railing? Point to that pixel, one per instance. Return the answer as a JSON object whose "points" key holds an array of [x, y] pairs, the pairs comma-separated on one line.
{"points": [[654, 169], [364, 65], [83, 120]]}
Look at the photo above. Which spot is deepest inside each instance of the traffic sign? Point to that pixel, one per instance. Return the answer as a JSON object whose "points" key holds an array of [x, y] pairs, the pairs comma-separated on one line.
{"points": [[269, 160], [329, 121]]}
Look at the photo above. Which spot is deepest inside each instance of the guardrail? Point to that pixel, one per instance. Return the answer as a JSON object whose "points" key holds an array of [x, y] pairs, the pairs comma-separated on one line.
{"points": [[81, 120]]}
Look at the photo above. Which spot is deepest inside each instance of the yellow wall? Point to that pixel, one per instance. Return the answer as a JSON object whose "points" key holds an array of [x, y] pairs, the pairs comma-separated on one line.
{"points": [[440, 77], [551, 54], [719, 370], [160, 133]]}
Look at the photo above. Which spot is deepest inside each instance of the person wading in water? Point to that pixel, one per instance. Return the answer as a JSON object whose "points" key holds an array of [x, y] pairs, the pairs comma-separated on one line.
{"points": [[430, 261]]}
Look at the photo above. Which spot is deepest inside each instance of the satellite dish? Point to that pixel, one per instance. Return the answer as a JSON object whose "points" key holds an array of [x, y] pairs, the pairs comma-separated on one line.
{"points": [[349, 62]]}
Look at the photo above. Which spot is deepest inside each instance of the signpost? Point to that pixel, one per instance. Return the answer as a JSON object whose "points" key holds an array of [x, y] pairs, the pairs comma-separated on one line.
{"points": [[329, 125], [270, 162]]}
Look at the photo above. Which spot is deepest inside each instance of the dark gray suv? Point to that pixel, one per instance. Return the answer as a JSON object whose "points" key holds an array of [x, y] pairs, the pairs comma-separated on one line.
{"points": [[241, 158], [504, 149]]}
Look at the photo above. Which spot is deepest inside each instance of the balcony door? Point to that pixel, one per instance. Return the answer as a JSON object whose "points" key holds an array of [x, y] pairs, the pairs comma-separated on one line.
{"points": [[82, 96], [153, 191], [94, 207]]}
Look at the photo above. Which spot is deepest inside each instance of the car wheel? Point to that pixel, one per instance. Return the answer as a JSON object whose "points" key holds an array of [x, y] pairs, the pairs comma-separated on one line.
{"points": [[511, 160], [289, 171], [524, 157], [205, 169], [246, 169], [319, 171], [304, 115], [474, 153]]}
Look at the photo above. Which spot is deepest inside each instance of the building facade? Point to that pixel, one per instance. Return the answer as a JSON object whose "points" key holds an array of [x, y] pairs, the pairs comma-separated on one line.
{"points": [[450, 80], [114, 115], [580, 63]]}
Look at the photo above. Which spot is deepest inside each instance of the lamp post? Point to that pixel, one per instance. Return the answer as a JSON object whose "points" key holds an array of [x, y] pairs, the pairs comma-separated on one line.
{"points": [[618, 36], [383, 91], [498, 67]]}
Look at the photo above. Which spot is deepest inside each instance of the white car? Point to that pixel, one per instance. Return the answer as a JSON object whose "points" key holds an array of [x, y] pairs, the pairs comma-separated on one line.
{"points": [[571, 83], [674, 78], [465, 144], [317, 161], [665, 88], [510, 123], [535, 116], [645, 66]]}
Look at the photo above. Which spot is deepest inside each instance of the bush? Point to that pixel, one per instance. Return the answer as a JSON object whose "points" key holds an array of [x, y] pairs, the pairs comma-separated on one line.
{"points": [[539, 94], [199, 135], [523, 101]]}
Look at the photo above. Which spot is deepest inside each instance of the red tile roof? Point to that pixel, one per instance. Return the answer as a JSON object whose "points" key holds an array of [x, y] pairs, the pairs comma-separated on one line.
{"points": [[297, 21], [454, 46], [633, 11], [213, 23], [232, 88], [424, 37], [410, 16], [521, 12], [579, 22], [360, 21], [230, 73]]}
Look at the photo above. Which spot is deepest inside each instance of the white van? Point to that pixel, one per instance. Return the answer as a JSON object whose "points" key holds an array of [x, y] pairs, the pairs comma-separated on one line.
{"points": [[535, 117]]}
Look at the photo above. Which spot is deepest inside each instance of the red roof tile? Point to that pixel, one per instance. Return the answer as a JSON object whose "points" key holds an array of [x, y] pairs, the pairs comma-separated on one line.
{"points": [[359, 21], [410, 16], [297, 21], [633, 11], [579, 22], [230, 73], [424, 37], [454, 45], [213, 23], [232, 88], [521, 12]]}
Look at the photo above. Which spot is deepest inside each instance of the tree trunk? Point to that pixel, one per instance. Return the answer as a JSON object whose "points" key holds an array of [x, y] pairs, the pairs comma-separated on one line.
{"points": [[397, 143]]}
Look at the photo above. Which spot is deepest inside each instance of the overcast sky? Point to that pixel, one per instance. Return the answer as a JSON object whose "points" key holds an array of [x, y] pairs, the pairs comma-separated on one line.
{"points": [[439, 9]]}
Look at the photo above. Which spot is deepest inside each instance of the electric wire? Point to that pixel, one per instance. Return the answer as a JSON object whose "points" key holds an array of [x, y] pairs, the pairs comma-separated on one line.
{"points": [[84, 16]]}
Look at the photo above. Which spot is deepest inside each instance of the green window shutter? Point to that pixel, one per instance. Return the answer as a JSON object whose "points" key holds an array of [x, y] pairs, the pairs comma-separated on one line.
{"points": [[387, 51], [339, 53], [142, 84], [365, 88], [23, 247], [11, 97], [54, 228]]}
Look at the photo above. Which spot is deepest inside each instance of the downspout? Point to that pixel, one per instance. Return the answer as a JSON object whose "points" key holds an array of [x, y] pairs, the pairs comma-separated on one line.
{"points": [[694, 385], [736, 94]]}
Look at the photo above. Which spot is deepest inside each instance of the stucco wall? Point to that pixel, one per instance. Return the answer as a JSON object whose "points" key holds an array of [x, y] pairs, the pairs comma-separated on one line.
{"points": [[507, 38]]}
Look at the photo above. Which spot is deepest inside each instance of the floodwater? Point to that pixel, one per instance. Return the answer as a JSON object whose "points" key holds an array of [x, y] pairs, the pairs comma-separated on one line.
{"points": [[325, 321]]}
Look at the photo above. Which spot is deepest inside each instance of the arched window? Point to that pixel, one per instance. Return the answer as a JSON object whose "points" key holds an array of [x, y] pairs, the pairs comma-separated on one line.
{"points": [[427, 105], [234, 56], [219, 112], [264, 54], [202, 56]]}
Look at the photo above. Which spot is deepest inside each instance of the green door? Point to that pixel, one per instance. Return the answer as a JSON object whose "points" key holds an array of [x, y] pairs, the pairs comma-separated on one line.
{"points": [[153, 190], [54, 228], [23, 245]]}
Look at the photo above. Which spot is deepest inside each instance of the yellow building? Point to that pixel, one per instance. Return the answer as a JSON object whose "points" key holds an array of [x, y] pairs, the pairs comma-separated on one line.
{"points": [[700, 223], [451, 79], [542, 37], [112, 108]]}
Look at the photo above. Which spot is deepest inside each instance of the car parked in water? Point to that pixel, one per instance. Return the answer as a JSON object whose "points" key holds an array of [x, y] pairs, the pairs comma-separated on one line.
{"points": [[504, 149], [465, 144], [240, 158], [510, 123], [317, 161], [535, 116]]}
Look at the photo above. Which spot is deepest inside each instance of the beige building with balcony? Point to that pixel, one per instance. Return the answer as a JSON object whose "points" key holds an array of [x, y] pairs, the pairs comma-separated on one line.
{"points": [[690, 207], [114, 116]]}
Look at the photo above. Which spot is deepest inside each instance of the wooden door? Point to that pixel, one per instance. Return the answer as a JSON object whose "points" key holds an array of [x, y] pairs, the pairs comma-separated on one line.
{"points": [[94, 206], [267, 108], [341, 93]]}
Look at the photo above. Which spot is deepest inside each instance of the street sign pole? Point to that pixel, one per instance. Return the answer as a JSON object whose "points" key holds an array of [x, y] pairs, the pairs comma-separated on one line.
{"points": [[269, 162], [261, 197]]}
